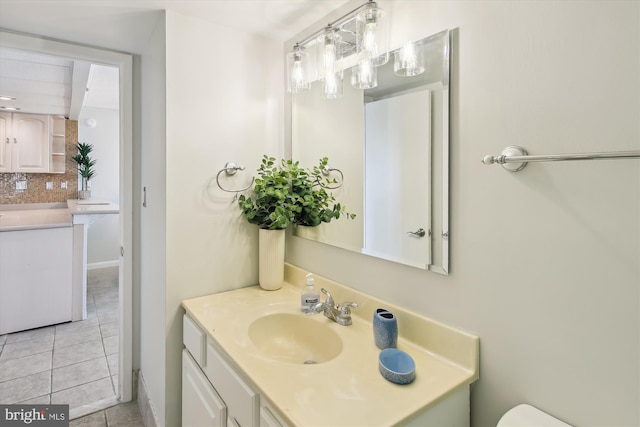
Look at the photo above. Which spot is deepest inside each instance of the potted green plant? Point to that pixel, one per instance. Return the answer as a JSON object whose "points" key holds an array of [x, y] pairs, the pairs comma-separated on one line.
{"points": [[269, 208], [86, 168], [313, 205], [285, 194]]}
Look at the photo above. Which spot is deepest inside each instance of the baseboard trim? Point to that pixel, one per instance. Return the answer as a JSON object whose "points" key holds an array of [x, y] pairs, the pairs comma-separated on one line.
{"points": [[144, 403], [102, 264]]}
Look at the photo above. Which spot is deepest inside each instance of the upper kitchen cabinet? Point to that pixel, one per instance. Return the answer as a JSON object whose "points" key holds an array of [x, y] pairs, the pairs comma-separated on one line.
{"points": [[31, 143]]}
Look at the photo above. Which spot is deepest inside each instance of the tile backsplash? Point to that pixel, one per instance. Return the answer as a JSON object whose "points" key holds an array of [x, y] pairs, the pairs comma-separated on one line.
{"points": [[37, 191]]}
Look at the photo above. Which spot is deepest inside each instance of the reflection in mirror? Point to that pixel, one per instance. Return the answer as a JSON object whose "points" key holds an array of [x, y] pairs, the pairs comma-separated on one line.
{"points": [[391, 143]]}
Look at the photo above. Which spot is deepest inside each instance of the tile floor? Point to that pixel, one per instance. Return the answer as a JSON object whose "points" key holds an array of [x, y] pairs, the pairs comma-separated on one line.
{"points": [[72, 363], [123, 415]]}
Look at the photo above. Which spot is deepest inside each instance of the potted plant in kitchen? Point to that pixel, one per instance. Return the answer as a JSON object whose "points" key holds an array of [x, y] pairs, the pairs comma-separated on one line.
{"points": [[284, 194], [86, 168]]}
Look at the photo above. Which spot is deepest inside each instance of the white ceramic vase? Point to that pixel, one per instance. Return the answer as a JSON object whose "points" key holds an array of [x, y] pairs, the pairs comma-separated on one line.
{"points": [[307, 232], [271, 259]]}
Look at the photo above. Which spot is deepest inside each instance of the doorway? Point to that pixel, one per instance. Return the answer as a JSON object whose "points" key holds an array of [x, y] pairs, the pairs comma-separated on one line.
{"points": [[124, 63]]}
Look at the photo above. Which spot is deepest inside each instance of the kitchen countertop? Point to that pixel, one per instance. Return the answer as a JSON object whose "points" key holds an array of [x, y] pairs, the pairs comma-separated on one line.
{"points": [[33, 216], [92, 207], [30, 219], [347, 390]]}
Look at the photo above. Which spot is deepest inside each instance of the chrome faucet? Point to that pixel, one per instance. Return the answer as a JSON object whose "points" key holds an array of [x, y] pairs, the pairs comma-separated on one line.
{"points": [[340, 314]]}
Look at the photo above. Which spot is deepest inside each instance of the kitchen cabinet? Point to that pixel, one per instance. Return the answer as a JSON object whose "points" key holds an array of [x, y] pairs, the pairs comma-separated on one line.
{"points": [[32, 143], [58, 143]]}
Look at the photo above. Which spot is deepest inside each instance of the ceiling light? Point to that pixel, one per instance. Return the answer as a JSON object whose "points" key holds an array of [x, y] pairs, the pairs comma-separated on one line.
{"points": [[6, 108], [7, 98]]}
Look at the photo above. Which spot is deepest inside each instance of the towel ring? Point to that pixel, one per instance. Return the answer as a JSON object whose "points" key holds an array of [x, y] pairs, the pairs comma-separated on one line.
{"points": [[230, 169], [326, 172]]}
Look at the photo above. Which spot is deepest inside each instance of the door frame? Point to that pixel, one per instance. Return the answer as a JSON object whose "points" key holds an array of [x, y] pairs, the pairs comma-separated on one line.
{"points": [[125, 64]]}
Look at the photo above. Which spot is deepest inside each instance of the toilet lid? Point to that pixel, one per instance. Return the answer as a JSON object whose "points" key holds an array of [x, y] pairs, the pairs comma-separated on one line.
{"points": [[525, 415]]}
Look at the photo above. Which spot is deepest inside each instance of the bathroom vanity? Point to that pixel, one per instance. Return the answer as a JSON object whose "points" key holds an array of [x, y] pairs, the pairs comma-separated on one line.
{"points": [[251, 358]]}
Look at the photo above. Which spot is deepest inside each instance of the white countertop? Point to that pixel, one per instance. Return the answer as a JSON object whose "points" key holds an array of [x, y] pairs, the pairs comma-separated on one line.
{"points": [[92, 207], [30, 219], [347, 390], [51, 215]]}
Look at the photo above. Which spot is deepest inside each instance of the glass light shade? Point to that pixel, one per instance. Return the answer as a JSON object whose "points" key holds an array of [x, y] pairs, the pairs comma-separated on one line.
{"points": [[330, 51], [372, 35], [409, 60], [364, 75], [332, 85], [298, 71]]}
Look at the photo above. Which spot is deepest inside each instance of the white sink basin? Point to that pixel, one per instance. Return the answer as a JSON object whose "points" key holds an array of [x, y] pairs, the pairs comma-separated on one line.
{"points": [[295, 338]]}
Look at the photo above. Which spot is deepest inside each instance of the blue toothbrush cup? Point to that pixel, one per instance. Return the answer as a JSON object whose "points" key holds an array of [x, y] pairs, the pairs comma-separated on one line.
{"points": [[385, 329]]}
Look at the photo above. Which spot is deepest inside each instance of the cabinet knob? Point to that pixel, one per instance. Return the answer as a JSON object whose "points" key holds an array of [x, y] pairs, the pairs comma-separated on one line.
{"points": [[15, 140], [8, 140]]}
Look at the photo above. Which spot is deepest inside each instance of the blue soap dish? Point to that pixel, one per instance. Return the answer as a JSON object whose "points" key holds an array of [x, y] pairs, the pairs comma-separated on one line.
{"points": [[396, 366]]}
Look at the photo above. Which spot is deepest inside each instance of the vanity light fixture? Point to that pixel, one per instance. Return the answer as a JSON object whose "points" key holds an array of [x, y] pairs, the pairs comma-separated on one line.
{"points": [[298, 70], [364, 75], [372, 34], [358, 37], [409, 59], [331, 54]]}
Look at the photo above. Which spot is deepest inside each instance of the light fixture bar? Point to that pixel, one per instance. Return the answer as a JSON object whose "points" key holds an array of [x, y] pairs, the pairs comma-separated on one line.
{"points": [[330, 46], [337, 23]]}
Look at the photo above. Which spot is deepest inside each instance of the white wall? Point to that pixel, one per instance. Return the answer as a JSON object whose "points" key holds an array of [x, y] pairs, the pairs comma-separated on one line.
{"points": [[544, 263], [223, 103], [397, 196], [315, 137], [103, 241], [153, 219]]}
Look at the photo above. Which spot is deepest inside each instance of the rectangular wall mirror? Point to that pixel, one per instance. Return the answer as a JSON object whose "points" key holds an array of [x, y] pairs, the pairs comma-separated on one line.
{"points": [[391, 144]]}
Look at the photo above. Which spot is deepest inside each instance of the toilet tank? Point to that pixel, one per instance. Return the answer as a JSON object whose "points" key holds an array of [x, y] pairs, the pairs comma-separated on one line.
{"points": [[525, 415]]}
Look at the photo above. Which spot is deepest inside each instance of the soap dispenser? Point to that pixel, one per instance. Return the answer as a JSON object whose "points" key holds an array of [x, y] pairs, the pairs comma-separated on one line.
{"points": [[309, 297]]}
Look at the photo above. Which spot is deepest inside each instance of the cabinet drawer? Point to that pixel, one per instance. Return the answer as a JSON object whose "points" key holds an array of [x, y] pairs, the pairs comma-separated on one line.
{"points": [[242, 402], [194, 340]]}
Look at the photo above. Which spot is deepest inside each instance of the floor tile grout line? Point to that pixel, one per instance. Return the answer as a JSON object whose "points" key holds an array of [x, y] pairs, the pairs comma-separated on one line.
{"points": [[103, 290], [79, 385]]}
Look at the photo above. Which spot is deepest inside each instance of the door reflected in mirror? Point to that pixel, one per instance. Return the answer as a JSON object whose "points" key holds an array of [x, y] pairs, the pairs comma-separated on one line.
{"points": [[391, 143]]}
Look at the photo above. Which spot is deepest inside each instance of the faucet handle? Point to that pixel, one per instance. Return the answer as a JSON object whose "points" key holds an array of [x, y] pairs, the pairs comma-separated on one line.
{"points": [[344, 308], [329, 300]]}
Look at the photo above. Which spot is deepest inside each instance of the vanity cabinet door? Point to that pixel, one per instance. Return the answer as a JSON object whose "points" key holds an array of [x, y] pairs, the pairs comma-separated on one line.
{"points": [[269, 419], [242, 402], [201, 405]]}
